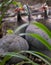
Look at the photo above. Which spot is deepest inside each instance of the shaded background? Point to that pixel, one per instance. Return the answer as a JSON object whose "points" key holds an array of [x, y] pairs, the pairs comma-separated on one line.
{"points": [[31, 2]]}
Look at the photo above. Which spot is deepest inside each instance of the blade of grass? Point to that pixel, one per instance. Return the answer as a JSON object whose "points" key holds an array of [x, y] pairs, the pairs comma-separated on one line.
{"points": [[22, 57], [43, 27], [41, 54], [41, 39], [23, 62], [34, 54], [6, 58]]}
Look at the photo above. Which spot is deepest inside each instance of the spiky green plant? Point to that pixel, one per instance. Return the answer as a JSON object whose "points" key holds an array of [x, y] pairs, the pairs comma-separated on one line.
{"points": [[4, 5], [27, 60], [3, 8]]}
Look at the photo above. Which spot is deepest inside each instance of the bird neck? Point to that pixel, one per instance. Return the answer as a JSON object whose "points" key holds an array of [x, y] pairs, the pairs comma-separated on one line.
{"points": [[19, 16], [1, 32], [29, 17], [45, 14], [29, 13]]}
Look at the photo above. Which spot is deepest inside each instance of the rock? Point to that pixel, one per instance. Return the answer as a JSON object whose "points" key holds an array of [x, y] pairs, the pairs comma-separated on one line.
{"points": [[34, 43], [13, 43]]}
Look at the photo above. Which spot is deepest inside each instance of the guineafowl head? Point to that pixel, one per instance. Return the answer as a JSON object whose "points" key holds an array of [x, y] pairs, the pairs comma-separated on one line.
{"points": [[45, 8], [18, 12]]}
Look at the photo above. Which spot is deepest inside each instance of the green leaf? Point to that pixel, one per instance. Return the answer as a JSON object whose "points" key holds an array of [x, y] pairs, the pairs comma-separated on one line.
{"points": [[44, 28], [9, 31], [14, 3], [3, 10], [22, 57], [41, 39], [6, 58], [17, 3], [41, 54], [23, 62], [34, 53], [8, 2]]}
